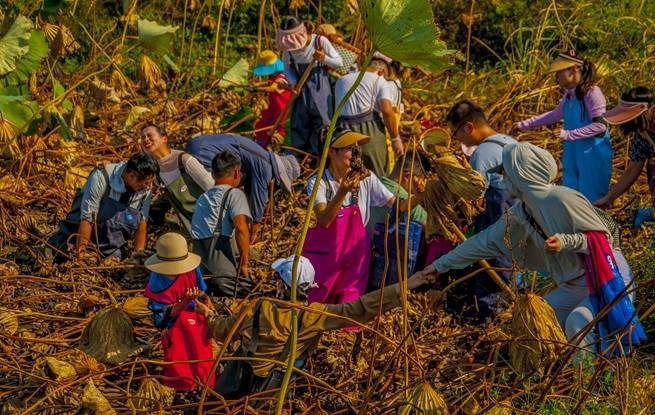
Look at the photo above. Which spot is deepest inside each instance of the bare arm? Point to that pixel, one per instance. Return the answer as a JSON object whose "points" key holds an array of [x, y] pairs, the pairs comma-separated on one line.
{"points": [[626, 180], [243, 241], [83, 236], [326, 212], [140, 237], [389, 117]]}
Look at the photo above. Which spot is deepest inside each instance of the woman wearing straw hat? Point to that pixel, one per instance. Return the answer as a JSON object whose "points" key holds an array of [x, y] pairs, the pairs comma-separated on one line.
{"points": [[173, 290], [314, 106], [587, 156], [279, 95], [635, 114]]}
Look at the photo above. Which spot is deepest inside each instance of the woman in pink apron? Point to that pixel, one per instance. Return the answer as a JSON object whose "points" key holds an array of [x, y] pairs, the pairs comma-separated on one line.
{"points": [[339, 246], [174, 286]]}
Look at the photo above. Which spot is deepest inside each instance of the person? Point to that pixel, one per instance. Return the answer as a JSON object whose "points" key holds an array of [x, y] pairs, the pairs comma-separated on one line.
{"points": [[361, 113], [110, 209], [635, 114], [314, 106], [220, 211], [339, 245], [552, 229], [408, 174], [396, 90], [587, 155], [258, 168], [174, 288], [183, 177], [469, 125], [279, 97], [266, 326]]}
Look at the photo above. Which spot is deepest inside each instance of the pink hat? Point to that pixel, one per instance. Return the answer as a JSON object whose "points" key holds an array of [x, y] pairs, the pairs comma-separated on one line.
{"points": [[625, 111], [384, 58], [292, 39]]}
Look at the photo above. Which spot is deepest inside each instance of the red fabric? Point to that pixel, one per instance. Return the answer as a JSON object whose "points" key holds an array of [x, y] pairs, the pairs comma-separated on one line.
{"points": [[187, 339], [277, 103]]}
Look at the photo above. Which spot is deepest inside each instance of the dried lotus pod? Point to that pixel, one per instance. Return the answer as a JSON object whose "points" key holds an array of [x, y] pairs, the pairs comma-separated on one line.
{"points": [[153, 396], [109, 337], [137, 307], [93, 400], [8, 323], [59, 370], [357, 164], [424, 400]]}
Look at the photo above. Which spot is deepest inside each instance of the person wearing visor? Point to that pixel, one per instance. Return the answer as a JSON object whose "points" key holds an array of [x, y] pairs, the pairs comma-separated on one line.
{"points": [[266, 326], [279, 95], [635, 115], [587, 155]]}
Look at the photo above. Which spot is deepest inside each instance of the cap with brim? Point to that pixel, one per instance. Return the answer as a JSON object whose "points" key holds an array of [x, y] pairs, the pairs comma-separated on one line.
{"points": [[266, 70], [625, 111], [347, 138], [173, 256], [288, 170], [563, 61], [305, 274]]}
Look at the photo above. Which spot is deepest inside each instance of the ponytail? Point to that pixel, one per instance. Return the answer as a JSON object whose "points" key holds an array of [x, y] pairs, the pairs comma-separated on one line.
{"points": [[588, 79]]}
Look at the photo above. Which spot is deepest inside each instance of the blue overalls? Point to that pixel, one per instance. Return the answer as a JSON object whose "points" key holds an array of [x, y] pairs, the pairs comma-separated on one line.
{"points": [[587, 162]]}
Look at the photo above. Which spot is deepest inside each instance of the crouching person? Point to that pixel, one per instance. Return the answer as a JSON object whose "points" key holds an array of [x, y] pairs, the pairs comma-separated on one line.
{"points": [[266, 327], [174, 288], [220, 212], [109, 210]]}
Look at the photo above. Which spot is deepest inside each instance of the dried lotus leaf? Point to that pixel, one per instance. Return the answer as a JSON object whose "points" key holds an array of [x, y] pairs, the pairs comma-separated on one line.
{"points": [[150, 74], [109, 337], [60, 370], [8, 323], [153, 396], [137, 307], [83, 363], [94, 400], [425, 400]]}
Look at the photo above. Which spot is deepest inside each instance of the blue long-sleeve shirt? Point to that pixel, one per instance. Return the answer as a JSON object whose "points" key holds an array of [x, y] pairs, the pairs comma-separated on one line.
{"points": [[258, 166]]}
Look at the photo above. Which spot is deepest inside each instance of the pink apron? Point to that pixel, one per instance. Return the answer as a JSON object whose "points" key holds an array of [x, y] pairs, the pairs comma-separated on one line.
{"points": [[341, 255], [186, 340]]}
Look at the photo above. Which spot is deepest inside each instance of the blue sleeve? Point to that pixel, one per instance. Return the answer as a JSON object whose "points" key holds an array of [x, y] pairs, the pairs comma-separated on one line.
{"points": [[160, 313], [199, 281]]}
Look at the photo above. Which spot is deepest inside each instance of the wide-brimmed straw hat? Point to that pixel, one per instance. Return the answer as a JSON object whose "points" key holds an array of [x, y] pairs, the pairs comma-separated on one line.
{"points": [[345, 137], [291, 39], [288, 170], [267, 64], [625, 111], [434, 137], [173, 256], [565, 60]]}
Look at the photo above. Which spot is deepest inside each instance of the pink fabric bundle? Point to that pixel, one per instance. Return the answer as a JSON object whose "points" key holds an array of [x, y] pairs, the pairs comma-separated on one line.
{"points": [[292, 39]]}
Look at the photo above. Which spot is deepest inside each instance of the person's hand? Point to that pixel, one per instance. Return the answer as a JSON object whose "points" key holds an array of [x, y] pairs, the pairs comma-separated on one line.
{"points": [[319, 56], [203, 309], [192, 294], [603, 202], [514, 129], [349, 183], [397, 146], [420, 182], [427, 276], [553, 245]]}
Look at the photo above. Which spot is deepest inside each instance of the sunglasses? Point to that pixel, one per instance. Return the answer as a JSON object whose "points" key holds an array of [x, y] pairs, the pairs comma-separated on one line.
{"points": [[453, 135]]}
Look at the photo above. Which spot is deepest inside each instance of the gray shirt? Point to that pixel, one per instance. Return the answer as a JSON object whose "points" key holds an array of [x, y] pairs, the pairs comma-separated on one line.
{"points": [[95, 186], [488, 155], [208, 208]]}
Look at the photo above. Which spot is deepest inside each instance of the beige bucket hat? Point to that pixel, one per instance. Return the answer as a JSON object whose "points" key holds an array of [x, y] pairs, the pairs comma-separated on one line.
{"points": [[173, 256]]}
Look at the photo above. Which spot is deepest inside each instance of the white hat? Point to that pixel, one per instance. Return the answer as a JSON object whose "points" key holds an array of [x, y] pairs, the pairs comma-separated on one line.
{"points": [[306, 273], [173, 256]]}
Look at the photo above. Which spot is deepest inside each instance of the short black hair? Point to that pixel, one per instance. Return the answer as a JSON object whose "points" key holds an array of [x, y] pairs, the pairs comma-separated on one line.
{"points": [[224, 162], [160, 130], [290, 22], [465, 111], [143, 165]]}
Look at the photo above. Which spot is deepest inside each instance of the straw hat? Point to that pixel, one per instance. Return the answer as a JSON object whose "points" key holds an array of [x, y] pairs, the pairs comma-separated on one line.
{"points": [[435, 137], [326, 29], [625, 111], [346, 137], [267, 64], [173, 256], [565, 60]]}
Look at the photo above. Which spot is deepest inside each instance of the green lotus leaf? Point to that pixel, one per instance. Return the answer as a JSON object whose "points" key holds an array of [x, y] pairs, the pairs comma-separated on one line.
{"points": [[15, 44], [236, 75], [154, 36]]}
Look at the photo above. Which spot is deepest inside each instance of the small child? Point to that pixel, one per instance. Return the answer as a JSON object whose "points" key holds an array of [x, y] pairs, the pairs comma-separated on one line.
{"points": [[220, 212], [587, 156], [174, 286], [279, 96]]}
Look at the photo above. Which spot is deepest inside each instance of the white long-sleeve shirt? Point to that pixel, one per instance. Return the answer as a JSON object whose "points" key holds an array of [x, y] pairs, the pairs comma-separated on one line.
{"points": [[306, 55]]}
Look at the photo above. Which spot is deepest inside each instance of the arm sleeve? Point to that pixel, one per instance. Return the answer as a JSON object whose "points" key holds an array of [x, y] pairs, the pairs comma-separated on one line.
{"points": [[321, 195], [573, 242], [220, 326], [332, 57], [384, 91], [145, 207], [595, 105], [198, 173], [380, 195], [484, 245], [288, 70], [238, 204], [200, 282], [258, 197], [547, 118], [95, 190], [362, 310], [160, 313]]}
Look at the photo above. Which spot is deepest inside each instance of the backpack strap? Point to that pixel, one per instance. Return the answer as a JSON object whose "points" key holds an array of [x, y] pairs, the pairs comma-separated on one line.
{"points": [[254, 339], [221, 212], [287, 345], [492, 141], [534, 224]]}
